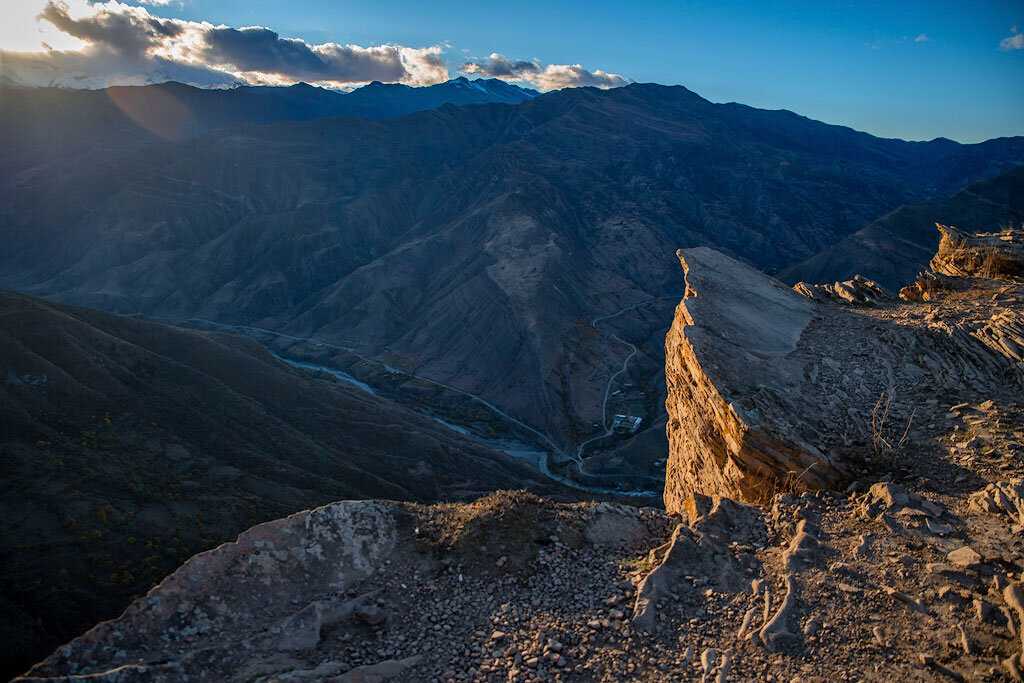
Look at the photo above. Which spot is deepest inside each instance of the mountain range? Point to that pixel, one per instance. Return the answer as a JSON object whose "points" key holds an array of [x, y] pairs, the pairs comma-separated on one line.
{"points": [[521, 252], [55, 125]]}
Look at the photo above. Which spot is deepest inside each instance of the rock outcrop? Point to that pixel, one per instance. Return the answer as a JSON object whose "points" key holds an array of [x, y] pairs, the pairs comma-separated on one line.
{"points": [[857, 291], [734, 386], [984, 255], [772, 389]]}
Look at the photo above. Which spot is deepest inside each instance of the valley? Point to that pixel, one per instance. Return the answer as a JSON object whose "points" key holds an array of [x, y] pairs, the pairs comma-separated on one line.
{"points": [[128, 445], [495, 384]]}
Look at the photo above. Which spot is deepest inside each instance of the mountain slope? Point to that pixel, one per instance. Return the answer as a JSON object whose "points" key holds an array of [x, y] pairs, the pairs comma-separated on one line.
{"points": [[493, 247], [53, 125], [896, 247], [128, 445]]}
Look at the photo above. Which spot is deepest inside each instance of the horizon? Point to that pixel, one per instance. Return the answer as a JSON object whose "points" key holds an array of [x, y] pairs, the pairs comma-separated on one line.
{"points": [[462, 77], [917, 73]]}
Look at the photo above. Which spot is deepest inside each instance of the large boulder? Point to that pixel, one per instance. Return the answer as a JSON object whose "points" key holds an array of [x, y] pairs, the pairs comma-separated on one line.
{"points": [[236, 608], [739, 421]]}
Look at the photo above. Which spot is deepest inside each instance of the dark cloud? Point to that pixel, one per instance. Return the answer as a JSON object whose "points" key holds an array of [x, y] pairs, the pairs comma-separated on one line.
{"points": [[263, 50], [499, 66], [126, 30], [126, 44], [550, 77]]}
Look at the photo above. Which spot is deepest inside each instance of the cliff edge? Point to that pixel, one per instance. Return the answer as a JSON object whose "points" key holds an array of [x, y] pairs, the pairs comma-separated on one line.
{"points": [[772, 389]]}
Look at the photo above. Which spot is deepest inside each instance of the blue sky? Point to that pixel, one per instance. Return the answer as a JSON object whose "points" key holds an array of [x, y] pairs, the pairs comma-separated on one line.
{"points": [[915, 70]]}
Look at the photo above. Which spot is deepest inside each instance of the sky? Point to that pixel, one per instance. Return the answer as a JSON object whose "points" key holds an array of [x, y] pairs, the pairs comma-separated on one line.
{"points": [[908, 69]]}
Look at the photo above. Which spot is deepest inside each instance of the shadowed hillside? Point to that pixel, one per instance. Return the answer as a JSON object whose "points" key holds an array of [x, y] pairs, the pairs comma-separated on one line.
{"points": [[128, 445]]}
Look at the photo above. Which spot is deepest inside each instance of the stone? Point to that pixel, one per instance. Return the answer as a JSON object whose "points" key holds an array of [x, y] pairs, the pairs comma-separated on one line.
{"points": [[986, 612], [707, 660], [964, 556], [372, 615], [892, 495]]}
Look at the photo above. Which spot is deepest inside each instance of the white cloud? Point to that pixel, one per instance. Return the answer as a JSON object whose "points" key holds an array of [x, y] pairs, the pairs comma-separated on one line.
{"points": [[1014, 41], [922, 38], [126, 44], [84, 43], [550, 77]]}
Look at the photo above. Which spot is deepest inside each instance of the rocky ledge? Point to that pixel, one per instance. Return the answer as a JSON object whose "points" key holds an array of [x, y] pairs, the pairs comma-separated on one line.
{"points": [[773, 389]]}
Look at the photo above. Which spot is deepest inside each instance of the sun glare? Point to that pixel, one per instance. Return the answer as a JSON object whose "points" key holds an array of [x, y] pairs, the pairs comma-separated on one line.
{"points": [[22, 31]]}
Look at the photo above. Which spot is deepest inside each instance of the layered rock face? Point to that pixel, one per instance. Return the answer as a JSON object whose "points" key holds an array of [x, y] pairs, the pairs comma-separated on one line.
{"points": [[772, 389], [731, 383]]}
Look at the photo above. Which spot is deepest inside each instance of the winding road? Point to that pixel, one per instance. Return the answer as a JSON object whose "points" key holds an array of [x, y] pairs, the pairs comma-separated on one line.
{"points": [[611, 379]]}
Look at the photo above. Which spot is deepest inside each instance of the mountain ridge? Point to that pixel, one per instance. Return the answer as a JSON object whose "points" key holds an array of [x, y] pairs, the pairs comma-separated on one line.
{"points": [[42, 123]]}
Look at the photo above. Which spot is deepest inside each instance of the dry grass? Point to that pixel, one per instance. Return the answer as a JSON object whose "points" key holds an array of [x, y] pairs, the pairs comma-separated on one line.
{"points": [[887, 446]]}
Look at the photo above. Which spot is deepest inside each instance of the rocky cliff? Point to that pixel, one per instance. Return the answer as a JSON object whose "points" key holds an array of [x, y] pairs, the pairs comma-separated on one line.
{"points": [[773, 389], [910, 569]]}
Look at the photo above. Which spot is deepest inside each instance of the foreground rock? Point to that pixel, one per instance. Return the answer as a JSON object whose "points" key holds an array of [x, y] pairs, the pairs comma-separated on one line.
{"points": [[985, 255]]}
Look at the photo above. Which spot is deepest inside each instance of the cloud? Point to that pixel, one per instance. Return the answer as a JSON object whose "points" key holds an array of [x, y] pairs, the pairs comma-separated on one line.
{"points": [[1014, 41], [125, 44], [922, 38], [130, 31], [115, 43], [261, 50], [550, 77]]}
